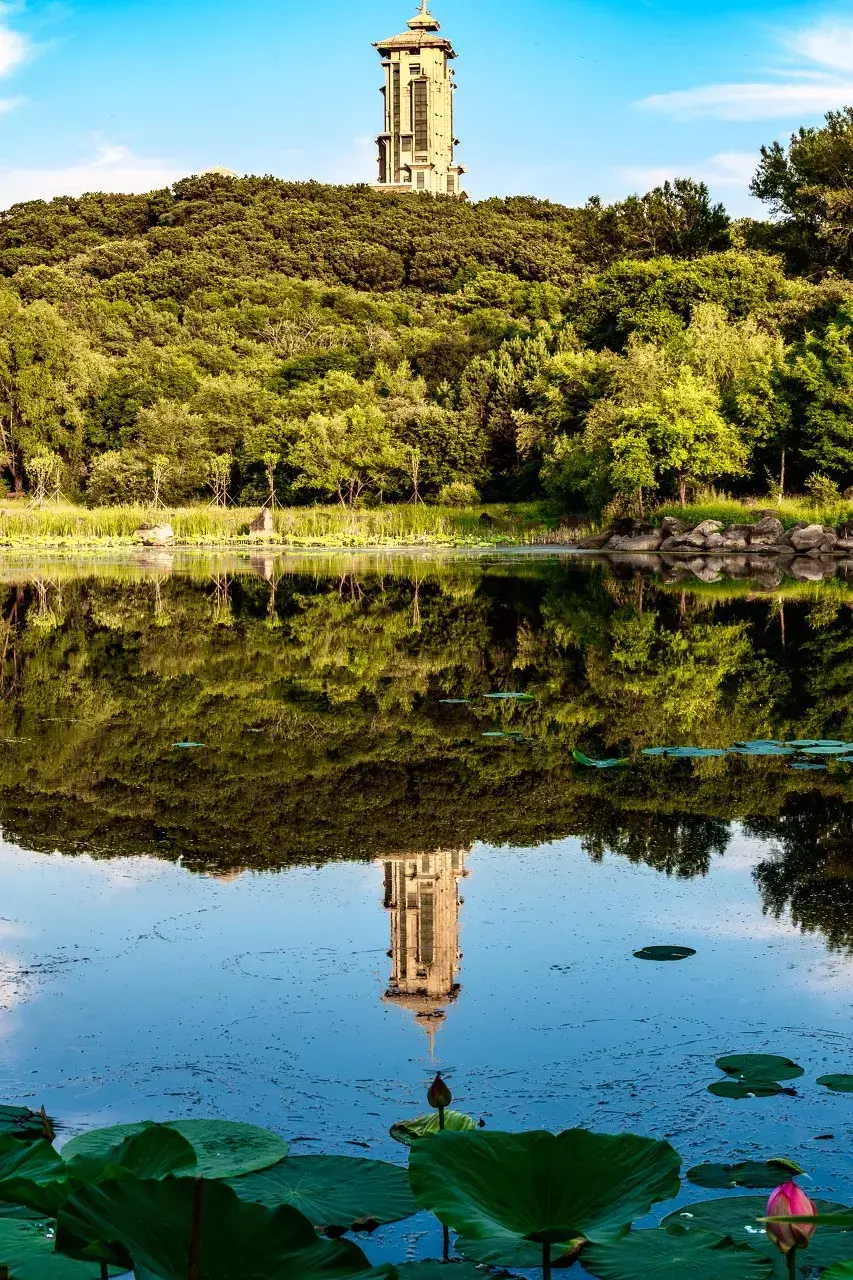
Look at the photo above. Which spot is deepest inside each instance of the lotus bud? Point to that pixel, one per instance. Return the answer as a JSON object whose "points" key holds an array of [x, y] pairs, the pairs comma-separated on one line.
{"points": [[438, 1094], [785, 1200]]}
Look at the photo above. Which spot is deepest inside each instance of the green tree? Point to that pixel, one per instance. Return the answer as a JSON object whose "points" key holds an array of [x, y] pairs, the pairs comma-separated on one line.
{"points": [[346, 454], [820, 384]]}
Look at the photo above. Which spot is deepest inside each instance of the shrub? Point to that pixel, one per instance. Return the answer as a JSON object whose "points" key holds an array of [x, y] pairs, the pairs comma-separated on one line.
{"points": [[459, 493]]}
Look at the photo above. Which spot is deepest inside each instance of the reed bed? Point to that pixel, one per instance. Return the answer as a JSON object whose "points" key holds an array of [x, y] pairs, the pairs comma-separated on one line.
{"points": [[319, 526]]}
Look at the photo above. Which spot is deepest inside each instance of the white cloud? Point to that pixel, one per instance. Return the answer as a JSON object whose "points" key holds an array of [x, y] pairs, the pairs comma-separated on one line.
{"points": [[790, 91], [14, 47], [726, 169], [110, 168]]}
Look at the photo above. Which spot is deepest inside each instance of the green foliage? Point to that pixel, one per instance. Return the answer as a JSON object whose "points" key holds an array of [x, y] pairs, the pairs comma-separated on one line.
{"points": [[344, 1192], [409, 1131], [675, 1255], [223, 1148], [746, 1173]]}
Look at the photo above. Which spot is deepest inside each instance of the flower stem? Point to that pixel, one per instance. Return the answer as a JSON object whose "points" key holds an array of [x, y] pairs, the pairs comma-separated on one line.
{"points": [[791, 1260], [441, 1117], [546, 1260]]}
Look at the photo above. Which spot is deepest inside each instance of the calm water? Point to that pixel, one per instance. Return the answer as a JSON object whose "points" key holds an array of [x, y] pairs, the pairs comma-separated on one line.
{"points": [[348, 886]]}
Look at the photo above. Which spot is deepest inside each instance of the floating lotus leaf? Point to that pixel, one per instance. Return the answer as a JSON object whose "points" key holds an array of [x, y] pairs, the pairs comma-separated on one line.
{"points": [[333, 1191], [816, 742], [152, 1222], [408, 1131], [25, 1124], [748, 1173], [32, 1175], [761, 742], [27, 1253], [739, 1217], [510, 697], [844, 759], [223, 1148], [455, 702], [841, 1271], [837, 748], [188, 745], [664, 953], [433, 1269], [511, 1188], [686, 753], [742, 1087], [580, 758], [759, 1066], [675, 1255], [837, 1083], [514, 1251], [761, 749], [808, 768]]}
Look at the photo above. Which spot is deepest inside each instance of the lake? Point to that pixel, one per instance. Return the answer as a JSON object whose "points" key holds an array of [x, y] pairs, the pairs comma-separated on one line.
{"points": [[263, 855]]}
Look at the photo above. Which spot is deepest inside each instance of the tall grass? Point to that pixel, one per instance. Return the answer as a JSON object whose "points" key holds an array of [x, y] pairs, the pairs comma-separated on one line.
{"points": [[318, 526], [790, 511]]}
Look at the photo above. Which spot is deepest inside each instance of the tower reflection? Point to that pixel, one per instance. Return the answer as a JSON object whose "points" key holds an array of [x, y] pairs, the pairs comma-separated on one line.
{"points": [[422, 894]]}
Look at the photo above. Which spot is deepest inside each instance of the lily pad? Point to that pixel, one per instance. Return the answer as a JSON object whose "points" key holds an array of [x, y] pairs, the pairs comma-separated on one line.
{"points": [[188, 745], [510, 697], [513, 1188], [762, 749], [841, 1271], [434, 1269], [455, 702], [664, 953], [409, 1131], [837, 748], [686, 753], [808, 768], [580, 758], [815, 742], [748, 1173], [333, 1191], [837, 1083], [157, 1151], [675, 1255], [742, 1087], [25, 1124], [739, 1216], [152, 1221], [223, 1148], [27, 1253], [759, 1066]]}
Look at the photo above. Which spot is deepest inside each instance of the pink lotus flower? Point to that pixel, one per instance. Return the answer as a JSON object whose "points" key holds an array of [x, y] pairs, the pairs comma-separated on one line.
{"points": [[438, 1094], [785, 1200]]}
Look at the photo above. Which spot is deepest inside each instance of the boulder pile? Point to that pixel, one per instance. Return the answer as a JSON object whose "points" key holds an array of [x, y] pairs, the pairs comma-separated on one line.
{"points": [[767, 536]]}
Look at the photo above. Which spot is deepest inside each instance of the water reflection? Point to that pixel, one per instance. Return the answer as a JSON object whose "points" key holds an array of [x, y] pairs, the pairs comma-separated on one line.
{"points": [[422, 896]]}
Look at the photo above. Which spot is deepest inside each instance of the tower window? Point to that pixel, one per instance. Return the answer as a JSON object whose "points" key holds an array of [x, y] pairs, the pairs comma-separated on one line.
{"points": [[414, 71], [419, 115], [407, 143], [451, 184], [421, 180]]}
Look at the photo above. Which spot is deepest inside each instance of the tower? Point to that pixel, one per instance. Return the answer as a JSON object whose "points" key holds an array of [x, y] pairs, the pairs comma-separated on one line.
{"points": [[416, 143], [422, 897]]}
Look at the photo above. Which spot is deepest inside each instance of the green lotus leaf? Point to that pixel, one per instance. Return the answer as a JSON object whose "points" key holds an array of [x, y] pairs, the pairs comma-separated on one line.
{"points": [[686, 753], [580, 758], [187, 746], [223, 1148], [841, 1271], [510, 697], [433, 1269], [508, 1250], [333, 1191], [675, 1255], [664, 953], [835, 749], [157, 1151], [837, 1083], [762, 749], [153, 1223], [816, 742], [739, 1217], [408, 1131], [455, 702], [759, 1066], [22, 1123], [541, 1187], [743, 1087], [748, 1173], [32, 1175], [27, 1253], [808, 768]]}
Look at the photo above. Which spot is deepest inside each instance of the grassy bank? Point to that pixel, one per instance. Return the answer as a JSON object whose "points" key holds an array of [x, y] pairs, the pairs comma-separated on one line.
{"points": [[790, 511], [319, 526]]}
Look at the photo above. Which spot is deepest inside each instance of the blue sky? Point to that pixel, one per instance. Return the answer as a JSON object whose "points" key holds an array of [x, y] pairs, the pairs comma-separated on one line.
{"points": [[557, 98]]}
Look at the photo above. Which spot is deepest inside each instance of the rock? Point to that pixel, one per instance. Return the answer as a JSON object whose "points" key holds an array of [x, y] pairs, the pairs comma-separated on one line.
{"points": [[155, 535], [263, 525], [805, 570], [848, 494], [641, 542], [596, 542], [713, 541], [769, 528], [845, 530], [700, 533], [672, 544], [672, 524], [805, 539]]}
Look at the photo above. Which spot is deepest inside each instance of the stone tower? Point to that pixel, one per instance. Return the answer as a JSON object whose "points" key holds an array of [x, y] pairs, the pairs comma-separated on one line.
{"points": [[421, 895], [416, 143]]}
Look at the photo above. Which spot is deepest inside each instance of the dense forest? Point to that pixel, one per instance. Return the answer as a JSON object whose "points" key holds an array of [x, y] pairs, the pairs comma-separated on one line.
{"points": [[317, 695], [240, 337]]}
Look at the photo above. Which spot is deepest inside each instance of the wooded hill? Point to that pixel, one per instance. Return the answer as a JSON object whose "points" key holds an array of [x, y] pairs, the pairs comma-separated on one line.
{"points": [[338, 342]]}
